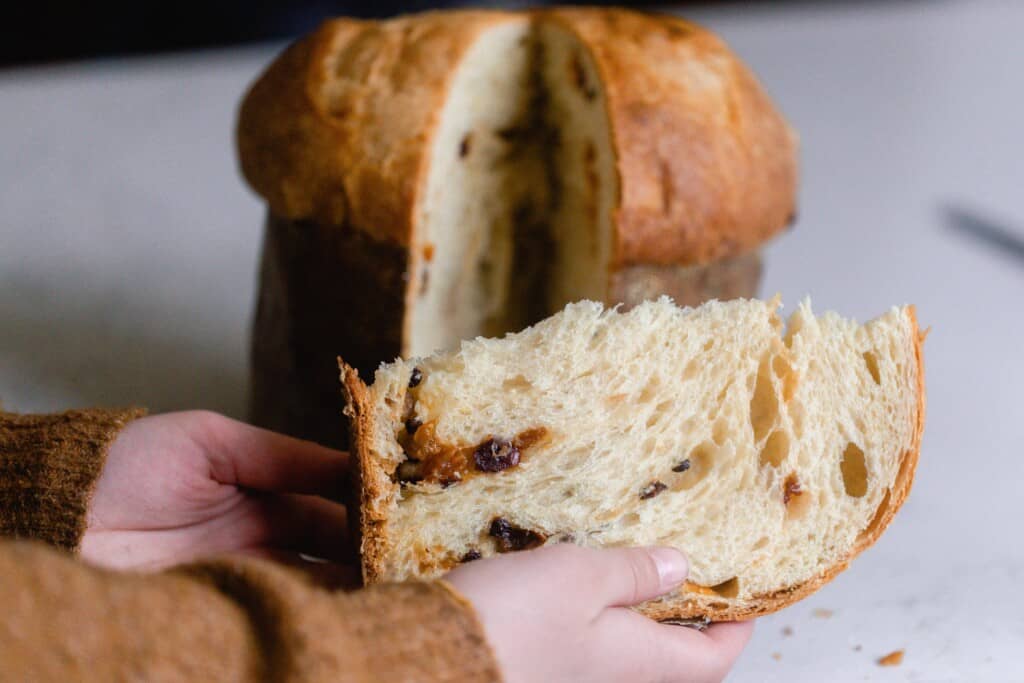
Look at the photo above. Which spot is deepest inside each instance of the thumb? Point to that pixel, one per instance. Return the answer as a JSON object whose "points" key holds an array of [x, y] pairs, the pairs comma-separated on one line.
{"points": [[627, 576]]}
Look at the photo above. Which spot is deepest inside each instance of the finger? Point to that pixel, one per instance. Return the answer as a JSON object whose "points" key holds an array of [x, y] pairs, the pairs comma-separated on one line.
{"points": [[306, 524], [730, 637], [627, 576], [636, 648], [243, 455], [707, 655]]}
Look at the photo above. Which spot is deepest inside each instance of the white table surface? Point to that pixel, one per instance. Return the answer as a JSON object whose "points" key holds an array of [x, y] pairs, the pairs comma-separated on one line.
{"points": [[127, 267]]}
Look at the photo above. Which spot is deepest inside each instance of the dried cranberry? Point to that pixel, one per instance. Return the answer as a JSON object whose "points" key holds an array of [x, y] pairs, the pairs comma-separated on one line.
{"points": [[411, 425], [511, 538], [681, 467], [651, 490], [495, 455], [415, 378], [472, 554]]}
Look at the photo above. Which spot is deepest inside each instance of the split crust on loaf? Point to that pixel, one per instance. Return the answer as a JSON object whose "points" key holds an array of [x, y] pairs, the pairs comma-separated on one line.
{"points": [[379, 414]]}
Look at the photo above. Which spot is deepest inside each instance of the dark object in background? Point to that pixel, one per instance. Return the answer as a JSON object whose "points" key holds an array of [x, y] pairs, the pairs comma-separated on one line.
{"points": [[55, 30], [60, 30]]}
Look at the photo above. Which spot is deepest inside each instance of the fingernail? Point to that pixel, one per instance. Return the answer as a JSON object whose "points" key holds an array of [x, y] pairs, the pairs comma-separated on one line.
{"points": [[672, 565]]}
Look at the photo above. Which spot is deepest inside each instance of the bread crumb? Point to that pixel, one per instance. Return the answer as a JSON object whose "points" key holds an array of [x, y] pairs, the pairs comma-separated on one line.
{"points": [[787, 630], [857, 648], [777, 656], [822, 613], [894, 658]]}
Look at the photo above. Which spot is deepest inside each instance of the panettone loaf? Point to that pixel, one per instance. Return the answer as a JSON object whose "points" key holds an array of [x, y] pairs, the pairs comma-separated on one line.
{"points": [[770, 455], [440, 176]]}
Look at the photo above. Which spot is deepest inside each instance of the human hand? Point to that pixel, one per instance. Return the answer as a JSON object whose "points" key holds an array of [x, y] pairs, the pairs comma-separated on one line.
{"points": [[180, 486], [561, 614]]}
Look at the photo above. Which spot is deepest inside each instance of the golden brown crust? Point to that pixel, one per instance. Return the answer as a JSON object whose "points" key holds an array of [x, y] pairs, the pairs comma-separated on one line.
{"points": [[368, 488], [339, 129], [707, 167]]}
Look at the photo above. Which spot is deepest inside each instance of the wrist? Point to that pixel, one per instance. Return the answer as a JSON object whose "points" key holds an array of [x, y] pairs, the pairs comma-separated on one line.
{"points": [[56, 460]]}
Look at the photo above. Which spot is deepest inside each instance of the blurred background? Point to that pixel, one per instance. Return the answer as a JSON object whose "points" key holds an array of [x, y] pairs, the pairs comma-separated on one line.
{"points": [[53, 30]]}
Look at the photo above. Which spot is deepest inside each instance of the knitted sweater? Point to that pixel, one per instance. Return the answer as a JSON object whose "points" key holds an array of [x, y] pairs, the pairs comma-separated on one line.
{"points": [[224, 620]]}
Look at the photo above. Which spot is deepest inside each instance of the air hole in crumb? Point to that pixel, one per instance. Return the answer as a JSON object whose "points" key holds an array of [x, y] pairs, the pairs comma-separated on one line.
{"points": [[883, 507], [690, 371], [720, 432], [764, 404], [517, 383], [775, 449], [630, 520], [701, 458], [728, 589], [650, 390], [855, 471], [872, 362], [787, 376]]}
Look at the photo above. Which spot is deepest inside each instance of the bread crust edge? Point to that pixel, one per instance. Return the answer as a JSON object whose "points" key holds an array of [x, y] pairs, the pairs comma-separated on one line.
{"points": [[364, 484]]}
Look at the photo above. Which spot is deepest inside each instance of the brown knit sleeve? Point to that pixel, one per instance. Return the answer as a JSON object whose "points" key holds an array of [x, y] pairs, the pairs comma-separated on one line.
{"points": [[49, 465], [229, 620]]}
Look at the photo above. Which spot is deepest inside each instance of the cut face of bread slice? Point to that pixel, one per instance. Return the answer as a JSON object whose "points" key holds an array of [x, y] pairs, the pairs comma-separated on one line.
{"points": [[516, 217], [582, 167], [770, 455], [482, 173]]}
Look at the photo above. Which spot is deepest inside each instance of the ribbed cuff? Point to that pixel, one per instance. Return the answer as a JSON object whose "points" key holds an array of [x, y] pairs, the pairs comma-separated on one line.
{"points": [[399, 633], [49, 465], [423, 632]]}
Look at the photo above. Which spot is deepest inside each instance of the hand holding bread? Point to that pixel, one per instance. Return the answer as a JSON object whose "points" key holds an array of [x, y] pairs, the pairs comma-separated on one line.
{"points": [[562, 614]]}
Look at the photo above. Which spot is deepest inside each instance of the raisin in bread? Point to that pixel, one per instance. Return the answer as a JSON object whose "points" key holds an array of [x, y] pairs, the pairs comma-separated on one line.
{"points": [[771, 455], [440, 176]]}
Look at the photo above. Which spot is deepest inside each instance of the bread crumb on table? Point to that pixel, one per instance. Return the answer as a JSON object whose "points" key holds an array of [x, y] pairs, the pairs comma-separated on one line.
{"points": [[787, 630], [822, 613], [894, 658], [777, 656]]}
